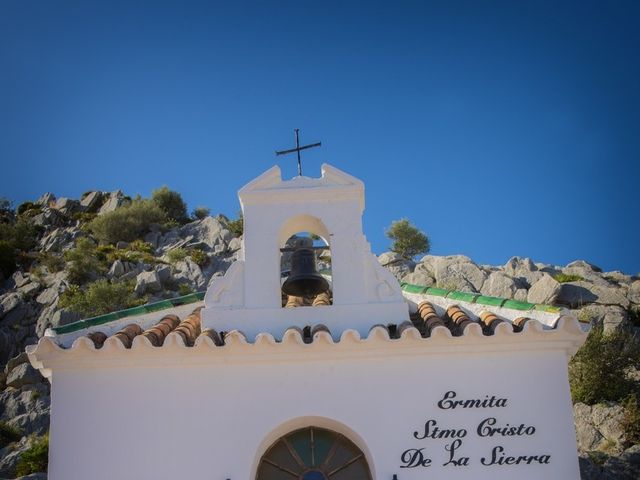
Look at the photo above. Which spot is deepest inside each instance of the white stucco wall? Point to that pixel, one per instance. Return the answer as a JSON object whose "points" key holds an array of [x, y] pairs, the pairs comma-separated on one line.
{"points": [[212, 419]]}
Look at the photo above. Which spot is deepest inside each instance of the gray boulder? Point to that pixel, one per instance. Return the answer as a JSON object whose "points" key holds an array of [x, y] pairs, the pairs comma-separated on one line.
{"points": [[148, 282], [19, 278], [625, 466], [67, 206], [207, 234], [545, 290], [397, 265], [187, 271], [50, 295], [64, 317], [523, 270], [92, 201], [46, 199], [49, 217], [60, 239], [23, 374], [8, 302], [164, 273], [15, 361], [153, 238], [114, 201], [460, 276], [610, 317], [598, 427], [29, 290], [584, 265], [633, 294], [117, 269], [418, 277], [499, 284], [576, 294], [235, 244]]}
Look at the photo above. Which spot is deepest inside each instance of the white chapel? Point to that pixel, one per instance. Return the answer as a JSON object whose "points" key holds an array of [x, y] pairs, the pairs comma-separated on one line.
{"points": [[285, 371]]}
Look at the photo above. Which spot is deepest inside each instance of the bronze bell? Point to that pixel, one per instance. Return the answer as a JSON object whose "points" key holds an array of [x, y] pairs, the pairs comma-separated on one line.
{"points": [[304, 280]]}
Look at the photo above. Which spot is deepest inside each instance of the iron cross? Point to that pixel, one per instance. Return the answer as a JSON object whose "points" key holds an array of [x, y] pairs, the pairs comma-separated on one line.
{"points": [[297, 149]]}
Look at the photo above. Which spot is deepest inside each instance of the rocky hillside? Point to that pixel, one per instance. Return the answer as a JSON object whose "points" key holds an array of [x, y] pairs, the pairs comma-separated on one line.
{"points": [[64, 259]]}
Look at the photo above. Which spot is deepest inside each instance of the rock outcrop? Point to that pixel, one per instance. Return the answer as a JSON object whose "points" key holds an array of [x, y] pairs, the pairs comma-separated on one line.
{"points": [[30, 303]]}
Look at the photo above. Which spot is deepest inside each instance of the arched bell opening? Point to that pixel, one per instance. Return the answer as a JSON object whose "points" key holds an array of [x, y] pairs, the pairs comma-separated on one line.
{"points": [[305, 271], [313, 453]]}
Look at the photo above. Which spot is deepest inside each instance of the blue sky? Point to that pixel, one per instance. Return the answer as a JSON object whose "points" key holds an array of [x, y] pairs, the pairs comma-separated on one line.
{"points": [[498, 128]]}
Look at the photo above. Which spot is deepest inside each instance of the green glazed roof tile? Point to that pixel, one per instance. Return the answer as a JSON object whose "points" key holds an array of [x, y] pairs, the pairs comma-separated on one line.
{"points": [[479, 299], [438, 292], [407, 287], [516, 305], [547, 308], [130, 312], [71, 327], [463, 296], [154, 307], [490, 301]]}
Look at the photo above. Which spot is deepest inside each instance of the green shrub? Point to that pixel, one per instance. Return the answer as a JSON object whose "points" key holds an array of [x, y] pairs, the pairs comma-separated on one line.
{"points": [[84, 217], [599, 371], [198, 256], [127, 223], [35, 459], [631, 419], [564, 278], [6, 210], [184, 289], [83, 262], [200, 212], [53, 262], [8, 434], [236, 226], [136, 251], [171, 203], [100, 297], [16, 239], [408, 241], [28, 209], [177, 255]]}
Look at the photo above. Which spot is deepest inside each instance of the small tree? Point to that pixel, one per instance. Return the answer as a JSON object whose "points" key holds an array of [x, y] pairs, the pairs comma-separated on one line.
{"points": [[171, 203], [83, 263], [127, 223], [408, 241], [599, 371], [200, 212], [236, 226]]}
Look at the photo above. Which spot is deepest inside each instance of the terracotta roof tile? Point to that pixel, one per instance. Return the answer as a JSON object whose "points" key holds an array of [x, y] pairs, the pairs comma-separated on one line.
{"points": [[159, 331], [98, 338], [519, 323], [218, 339], [428, 316], [128, 333], [458, 319], [189, 328], [490, 322]]}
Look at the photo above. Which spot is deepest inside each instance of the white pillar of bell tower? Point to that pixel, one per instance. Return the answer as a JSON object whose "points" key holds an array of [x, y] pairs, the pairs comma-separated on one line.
{"points": [[248, 297]]}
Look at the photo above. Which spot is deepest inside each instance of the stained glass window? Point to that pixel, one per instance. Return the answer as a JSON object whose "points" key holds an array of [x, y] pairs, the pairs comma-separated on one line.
{"points": [[313, 454]]}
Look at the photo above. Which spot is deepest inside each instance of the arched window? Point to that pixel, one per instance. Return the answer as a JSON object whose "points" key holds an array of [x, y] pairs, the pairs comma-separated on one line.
{"points": [[313, 454]]}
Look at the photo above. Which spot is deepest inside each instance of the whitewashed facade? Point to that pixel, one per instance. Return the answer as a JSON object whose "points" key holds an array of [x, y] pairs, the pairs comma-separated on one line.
{"points": [[465, 406]]}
